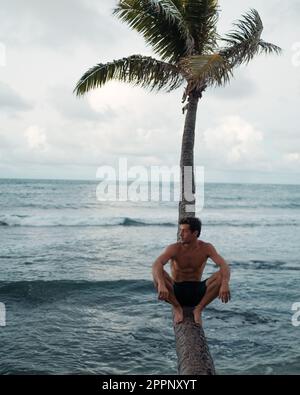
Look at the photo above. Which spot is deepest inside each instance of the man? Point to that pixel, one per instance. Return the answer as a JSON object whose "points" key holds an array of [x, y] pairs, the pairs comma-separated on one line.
{"points": [[188, 259]]}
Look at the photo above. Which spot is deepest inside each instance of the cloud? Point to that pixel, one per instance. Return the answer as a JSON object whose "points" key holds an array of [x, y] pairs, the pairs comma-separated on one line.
{"points": [[54, 23], [36, 138], [63, 100], [234, 140], [292, 157], [11, 101], [290, 9], [250, 125], [241, 86]]}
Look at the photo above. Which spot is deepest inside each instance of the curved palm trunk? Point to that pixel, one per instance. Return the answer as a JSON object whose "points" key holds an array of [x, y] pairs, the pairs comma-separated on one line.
{"points": [[191, 346], [187, 182]]}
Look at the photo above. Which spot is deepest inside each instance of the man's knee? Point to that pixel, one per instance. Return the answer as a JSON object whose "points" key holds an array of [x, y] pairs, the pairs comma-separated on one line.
{"points": [[167, 280], [215, 279]]}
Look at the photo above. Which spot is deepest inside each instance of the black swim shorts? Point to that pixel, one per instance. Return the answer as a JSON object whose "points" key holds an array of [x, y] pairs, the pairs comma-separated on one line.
{"points": [[189, 293]]}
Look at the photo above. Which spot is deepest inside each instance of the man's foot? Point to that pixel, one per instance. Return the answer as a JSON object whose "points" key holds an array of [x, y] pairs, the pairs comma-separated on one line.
{"points": [[178, 314], [197, 316]]}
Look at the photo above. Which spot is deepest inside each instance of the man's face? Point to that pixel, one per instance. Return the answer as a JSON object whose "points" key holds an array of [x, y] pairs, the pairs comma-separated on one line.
{"points": [[186, 235]]}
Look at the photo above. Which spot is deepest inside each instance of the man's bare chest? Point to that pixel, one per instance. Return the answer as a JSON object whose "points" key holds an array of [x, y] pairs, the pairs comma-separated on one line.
{"points": [[186, 260]]}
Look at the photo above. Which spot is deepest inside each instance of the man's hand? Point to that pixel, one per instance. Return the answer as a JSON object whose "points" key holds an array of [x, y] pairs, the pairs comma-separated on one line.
{"points": [[224, 293], [163, 292]]}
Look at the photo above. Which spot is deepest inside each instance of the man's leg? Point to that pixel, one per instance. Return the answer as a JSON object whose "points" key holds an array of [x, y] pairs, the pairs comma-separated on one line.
{"points": [[213, 284], [177, 309], [167, 278]]}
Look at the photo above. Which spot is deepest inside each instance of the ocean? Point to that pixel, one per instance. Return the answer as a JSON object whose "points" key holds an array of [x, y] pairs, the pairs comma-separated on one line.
{"points": [[76, 282]]}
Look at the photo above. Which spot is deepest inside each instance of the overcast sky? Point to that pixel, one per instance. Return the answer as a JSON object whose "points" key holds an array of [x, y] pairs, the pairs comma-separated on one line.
{"points": [[247, 131]]}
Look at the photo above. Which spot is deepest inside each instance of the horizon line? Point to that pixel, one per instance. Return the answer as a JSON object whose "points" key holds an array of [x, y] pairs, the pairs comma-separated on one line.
{"points": [[118, 180]]}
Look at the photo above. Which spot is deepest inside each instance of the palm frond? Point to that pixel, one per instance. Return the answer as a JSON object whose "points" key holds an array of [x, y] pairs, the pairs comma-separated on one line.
{"points": [[201, 17], [269, 48], [161, 23], [245, 41], [139, 70], [208, 69]]}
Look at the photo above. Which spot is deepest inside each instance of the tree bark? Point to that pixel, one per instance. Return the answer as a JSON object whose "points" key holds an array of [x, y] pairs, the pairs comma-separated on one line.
{"points": [[187, 181], [191, 345]]}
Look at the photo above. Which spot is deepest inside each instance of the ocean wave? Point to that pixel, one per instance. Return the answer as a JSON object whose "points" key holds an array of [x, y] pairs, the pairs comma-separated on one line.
{"points": [[56, 206], [286, 366], [248, 224], [43, 290], [97, 220], [43, 221], [212, 204], [246, 205], [246, 316], [115, 292], [266, 265]]}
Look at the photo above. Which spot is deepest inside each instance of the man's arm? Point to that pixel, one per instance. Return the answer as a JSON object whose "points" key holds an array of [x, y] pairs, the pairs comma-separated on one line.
{"points": [[158, 265], [219, 261], [224, 294], [158, 271]]}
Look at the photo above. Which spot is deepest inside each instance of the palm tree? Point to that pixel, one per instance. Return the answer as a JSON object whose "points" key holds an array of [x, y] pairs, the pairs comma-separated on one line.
{"points": [[183, 34]]}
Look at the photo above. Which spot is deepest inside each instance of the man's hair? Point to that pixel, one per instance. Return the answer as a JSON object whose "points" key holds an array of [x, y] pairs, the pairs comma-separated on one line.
{"points": [[194, 222]]}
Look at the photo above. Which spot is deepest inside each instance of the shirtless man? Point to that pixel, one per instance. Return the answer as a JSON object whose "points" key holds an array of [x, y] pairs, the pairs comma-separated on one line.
{"points": [[188, 259]]}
